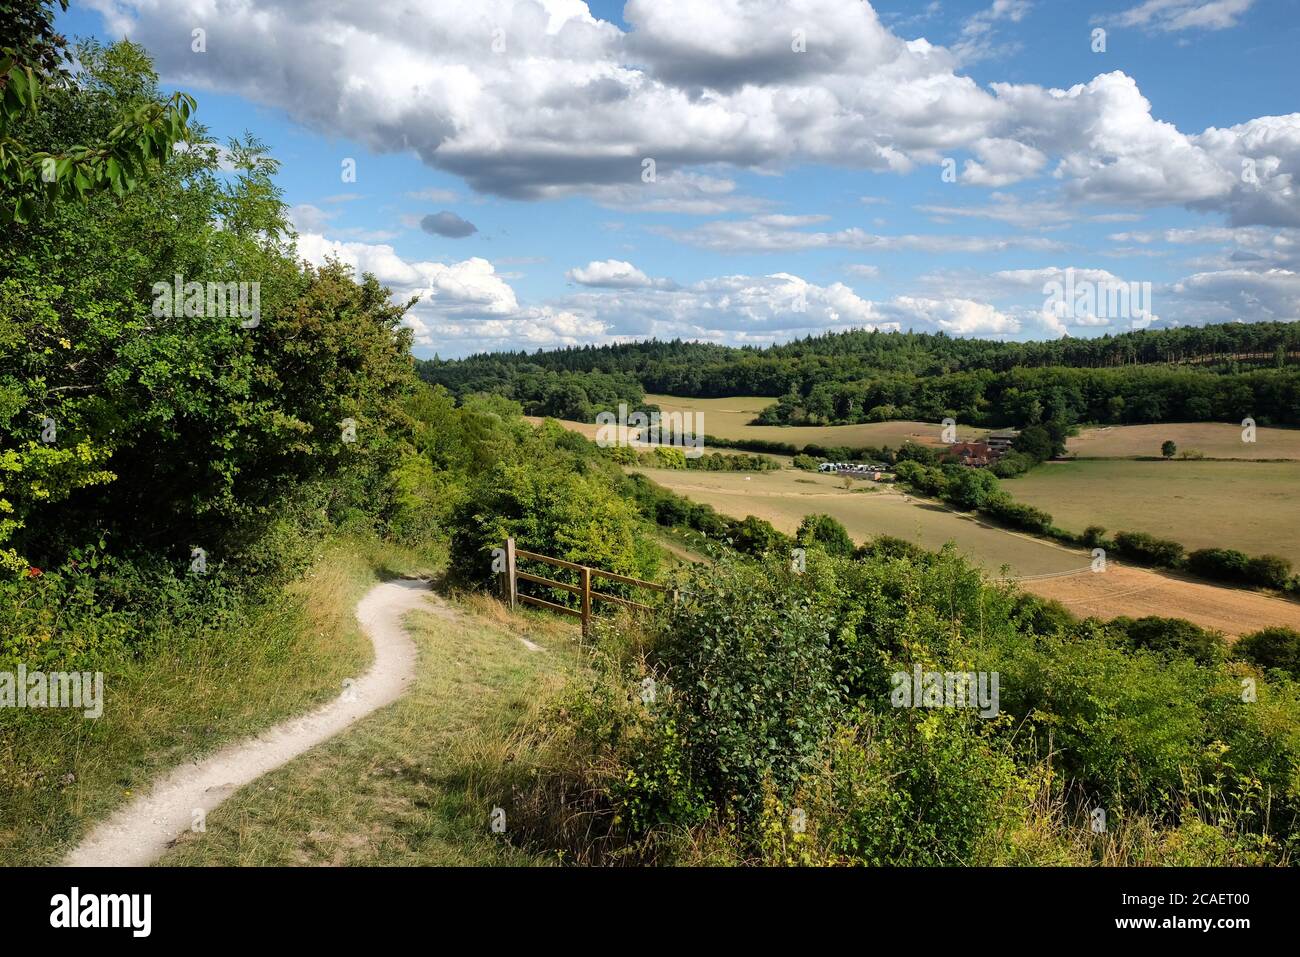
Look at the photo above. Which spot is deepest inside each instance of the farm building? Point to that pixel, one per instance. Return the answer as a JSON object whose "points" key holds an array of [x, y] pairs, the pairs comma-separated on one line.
{"points": [[999, 442], [974, 454]]}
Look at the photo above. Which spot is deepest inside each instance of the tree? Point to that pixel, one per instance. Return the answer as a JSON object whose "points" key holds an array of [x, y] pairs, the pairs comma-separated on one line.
{"points": [[823, 531], [39, 167], [1276, 647], [166, 428], [1169, 449]]}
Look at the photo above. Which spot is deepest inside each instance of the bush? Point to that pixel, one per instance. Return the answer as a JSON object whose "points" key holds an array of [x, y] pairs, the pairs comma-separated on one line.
{"points": [[1271, 571], [1225, 564], [1094, 536], [1276, 647], [920, 789], [1018, 515], [1174, 636], [757, 537], [1149, 550], [806, 462], [748, 660], [824, 532]]}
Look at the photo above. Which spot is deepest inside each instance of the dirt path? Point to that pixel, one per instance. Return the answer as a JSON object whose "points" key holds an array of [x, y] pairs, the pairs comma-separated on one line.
{"points": [[138, 833]]}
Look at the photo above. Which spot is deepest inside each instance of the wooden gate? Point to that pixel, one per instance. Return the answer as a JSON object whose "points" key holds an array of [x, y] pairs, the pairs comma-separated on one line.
{"points": [[511, 576]]}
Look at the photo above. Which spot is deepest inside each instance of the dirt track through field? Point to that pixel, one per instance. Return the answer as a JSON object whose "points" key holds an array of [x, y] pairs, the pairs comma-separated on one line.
{"points": [[138, 833]]}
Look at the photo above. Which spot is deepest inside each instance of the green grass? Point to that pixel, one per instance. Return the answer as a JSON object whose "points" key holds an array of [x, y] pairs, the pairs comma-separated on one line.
{"points": [[399, 788], [60, 773], [1250, 506]]}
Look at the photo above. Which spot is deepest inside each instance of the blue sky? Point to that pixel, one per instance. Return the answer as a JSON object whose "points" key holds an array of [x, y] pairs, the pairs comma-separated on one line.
{"points": [[794, 190]]}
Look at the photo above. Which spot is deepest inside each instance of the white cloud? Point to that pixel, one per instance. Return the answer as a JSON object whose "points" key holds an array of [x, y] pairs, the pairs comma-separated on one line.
{"points": [[768, 234], [962, 317], [575, 104], [610, 274], [1001, 162], [1174, 15], [463, 306]]}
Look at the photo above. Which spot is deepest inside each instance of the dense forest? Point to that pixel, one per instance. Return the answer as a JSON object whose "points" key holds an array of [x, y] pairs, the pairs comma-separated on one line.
{"points": [[1213, 373]]}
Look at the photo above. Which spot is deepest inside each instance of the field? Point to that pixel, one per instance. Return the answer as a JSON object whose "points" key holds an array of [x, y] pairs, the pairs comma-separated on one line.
{"points": [[1216, 440], [784, 498], [729, 419], [1250, 506]]}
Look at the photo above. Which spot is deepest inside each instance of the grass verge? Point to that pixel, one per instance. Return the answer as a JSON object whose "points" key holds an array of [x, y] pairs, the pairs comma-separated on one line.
{"points": [[196, 691], [400, 787]]}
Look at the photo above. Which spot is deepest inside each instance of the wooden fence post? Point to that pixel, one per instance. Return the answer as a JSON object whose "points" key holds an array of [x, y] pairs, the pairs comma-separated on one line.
{"points": [[586, 601], [511, 590]]}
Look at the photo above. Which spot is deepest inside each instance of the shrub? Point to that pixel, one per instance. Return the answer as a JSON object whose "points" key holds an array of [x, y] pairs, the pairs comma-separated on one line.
{"points": [[1271, 571], [1175, 636], [1226, 564], [748, 660], [1276, 647], [1141, 547], [757, 537], [826, 533], [1018, 515], [1094, 536], [920, 790]]}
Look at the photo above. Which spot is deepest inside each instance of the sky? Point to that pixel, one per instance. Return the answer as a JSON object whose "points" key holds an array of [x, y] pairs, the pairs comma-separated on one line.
{"points": [[544, 173]]}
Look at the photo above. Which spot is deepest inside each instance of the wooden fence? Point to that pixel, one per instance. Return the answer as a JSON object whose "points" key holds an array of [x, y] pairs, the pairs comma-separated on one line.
{"points": [[511, 576]]}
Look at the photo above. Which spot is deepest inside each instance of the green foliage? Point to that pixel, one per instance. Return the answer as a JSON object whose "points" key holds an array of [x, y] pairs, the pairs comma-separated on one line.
{"points": [[909, 790], [1168, 448], [43, 163], [1277, 647], [1174, 637], [551, 499], [748, 662], [826, 533], [1149, 550]]}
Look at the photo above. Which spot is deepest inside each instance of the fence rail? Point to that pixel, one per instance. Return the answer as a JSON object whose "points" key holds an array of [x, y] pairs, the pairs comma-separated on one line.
{"points": [[511, 576]]}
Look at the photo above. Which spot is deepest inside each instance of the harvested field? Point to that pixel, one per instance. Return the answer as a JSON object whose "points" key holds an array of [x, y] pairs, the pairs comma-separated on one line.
{"points": [[784, 498], [1250, 506], [1216, 440]]}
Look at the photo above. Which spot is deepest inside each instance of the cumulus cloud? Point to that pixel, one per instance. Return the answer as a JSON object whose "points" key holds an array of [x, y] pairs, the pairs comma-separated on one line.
{"points": [[447, 224], [611, 274], [962, 317], [571, 103], [463, 306]]}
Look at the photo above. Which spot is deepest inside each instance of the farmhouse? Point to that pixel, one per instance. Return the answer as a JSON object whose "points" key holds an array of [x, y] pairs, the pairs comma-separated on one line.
{"points": [[974, 454]]}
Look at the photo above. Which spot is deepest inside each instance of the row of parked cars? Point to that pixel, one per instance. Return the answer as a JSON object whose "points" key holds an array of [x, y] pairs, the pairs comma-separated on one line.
{"points": [[853, 468]]}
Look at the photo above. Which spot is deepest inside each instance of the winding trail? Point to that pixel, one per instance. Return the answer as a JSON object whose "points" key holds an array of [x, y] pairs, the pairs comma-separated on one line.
{"points": [[139, 833]]}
